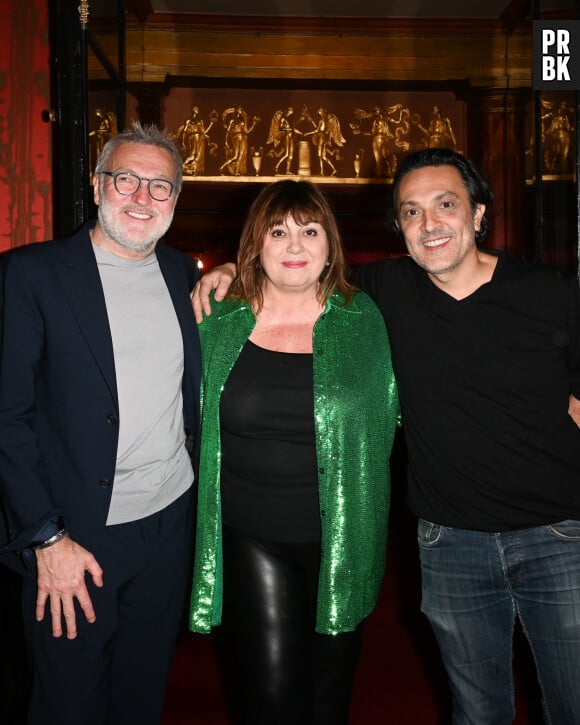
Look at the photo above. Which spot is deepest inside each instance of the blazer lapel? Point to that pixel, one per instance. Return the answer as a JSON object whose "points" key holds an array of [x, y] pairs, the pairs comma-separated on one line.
{"points": [[79, 276], [178, 285]]}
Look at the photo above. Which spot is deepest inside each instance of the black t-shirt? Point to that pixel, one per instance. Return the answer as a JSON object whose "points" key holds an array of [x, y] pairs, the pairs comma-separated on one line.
{"points": [[269, 480], [484, 385]]}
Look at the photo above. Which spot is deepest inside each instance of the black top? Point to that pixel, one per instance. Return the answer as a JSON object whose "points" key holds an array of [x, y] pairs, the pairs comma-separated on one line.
{"points": [[269, 473], [484, 385]]}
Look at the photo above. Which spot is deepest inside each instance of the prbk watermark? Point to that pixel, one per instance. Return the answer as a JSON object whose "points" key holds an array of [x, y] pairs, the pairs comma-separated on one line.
{"points": [[556, 45]]}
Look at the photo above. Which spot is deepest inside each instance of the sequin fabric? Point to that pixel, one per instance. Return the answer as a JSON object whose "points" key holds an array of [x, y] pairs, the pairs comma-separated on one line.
{"points": [[356, 412]]}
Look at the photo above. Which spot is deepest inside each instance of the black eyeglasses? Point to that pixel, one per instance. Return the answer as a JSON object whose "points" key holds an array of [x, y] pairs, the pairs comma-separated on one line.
{"points": [[127, 184]]}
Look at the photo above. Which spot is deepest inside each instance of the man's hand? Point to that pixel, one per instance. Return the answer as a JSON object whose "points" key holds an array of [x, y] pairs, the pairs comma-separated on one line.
{"points": [[61, 579], [218, 279], [574, 409]]}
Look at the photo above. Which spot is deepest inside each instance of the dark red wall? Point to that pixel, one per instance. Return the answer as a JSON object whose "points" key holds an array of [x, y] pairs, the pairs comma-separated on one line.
{"points": [[25, 160]]}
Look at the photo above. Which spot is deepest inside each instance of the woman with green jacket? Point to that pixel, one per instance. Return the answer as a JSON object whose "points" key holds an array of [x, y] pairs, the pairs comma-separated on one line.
{"points": [[299, 409]]}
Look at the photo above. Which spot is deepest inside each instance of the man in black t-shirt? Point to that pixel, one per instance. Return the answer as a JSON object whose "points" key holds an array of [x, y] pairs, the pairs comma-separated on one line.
{"points": [[486, 350]]}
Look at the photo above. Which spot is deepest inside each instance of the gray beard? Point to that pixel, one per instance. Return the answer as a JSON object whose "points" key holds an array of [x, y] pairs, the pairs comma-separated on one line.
{"points": [[113, 230], [140, 247]]}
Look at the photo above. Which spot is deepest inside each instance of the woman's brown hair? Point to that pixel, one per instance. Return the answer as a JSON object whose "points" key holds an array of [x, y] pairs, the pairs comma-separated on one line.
{"points": [[305, 203]]}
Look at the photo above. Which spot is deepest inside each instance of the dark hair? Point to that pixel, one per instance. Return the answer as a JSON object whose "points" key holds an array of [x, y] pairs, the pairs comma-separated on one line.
{"points": [[473, 180], [148, 135], [305, 203]]}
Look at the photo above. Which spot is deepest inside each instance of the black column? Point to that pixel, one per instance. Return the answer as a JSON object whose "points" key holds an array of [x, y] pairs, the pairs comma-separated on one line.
{"points": [[70, 117]]}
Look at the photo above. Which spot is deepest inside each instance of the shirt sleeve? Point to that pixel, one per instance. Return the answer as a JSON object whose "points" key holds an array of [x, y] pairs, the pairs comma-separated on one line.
{"points": [[24, 495], [370, 278]]}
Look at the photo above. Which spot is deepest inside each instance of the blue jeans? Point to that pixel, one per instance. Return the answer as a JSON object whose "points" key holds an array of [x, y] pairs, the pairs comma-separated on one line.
{"points": [[474, 585]]}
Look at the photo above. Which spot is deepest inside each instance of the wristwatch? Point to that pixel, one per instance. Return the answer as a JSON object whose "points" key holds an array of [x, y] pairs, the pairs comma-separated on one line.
{"points": [[54, 539]]}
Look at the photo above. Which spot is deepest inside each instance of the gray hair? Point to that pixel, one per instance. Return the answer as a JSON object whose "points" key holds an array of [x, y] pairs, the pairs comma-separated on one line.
{"points": [[149, 135]]}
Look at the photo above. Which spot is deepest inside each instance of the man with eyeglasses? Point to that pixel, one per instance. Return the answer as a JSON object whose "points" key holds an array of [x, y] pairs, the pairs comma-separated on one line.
{"points": [[99, 391]]}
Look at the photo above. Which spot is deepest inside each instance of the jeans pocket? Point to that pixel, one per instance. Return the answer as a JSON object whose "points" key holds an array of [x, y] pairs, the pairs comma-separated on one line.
{"points": [[429, 534], [569, 529]]}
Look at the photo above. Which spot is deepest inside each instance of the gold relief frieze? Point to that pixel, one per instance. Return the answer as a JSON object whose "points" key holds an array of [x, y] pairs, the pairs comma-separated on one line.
{"points": [[338, 140]]}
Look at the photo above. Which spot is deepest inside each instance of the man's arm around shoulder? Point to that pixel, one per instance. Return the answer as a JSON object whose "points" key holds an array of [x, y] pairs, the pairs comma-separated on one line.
{"points": [[218, 279]]}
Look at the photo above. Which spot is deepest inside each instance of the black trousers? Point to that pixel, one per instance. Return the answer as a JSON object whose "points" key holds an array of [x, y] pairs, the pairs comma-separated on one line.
{"points": [[115, 671], [278, 670], [14, 674]]}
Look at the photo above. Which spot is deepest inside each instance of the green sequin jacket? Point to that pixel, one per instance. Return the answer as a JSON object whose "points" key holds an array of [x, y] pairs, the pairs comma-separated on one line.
{"points": [[356, 412]]}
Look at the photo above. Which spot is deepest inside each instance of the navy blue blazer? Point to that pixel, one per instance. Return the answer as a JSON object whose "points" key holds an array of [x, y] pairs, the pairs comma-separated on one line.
{"points": [[58, 399]]}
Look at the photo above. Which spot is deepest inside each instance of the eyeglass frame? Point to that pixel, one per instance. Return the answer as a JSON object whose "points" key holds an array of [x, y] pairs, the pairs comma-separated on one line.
{"points": [[115, 174]]}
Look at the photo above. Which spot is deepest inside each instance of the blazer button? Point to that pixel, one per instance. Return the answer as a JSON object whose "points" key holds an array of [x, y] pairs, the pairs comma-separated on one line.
{"points": [[112, 419], [105, 483]]}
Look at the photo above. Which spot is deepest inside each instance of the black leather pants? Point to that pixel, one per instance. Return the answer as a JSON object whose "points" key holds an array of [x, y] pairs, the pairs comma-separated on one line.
{"points": [[277, 670]]}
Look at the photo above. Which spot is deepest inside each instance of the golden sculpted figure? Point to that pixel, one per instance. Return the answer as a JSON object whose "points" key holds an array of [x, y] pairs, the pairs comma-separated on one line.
{"points": [[282, 134], [557, 129], [440, 133], [235, 122], [193, 140], [389, 130], [106, 129], [381, 135], [325, 134]]}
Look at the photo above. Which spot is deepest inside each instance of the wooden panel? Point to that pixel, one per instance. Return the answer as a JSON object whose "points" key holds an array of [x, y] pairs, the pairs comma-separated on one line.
{"points": [[379, 50]]}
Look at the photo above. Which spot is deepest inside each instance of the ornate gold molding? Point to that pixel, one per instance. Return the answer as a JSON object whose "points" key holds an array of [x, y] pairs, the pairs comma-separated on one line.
{"points": [[323, 134]]}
